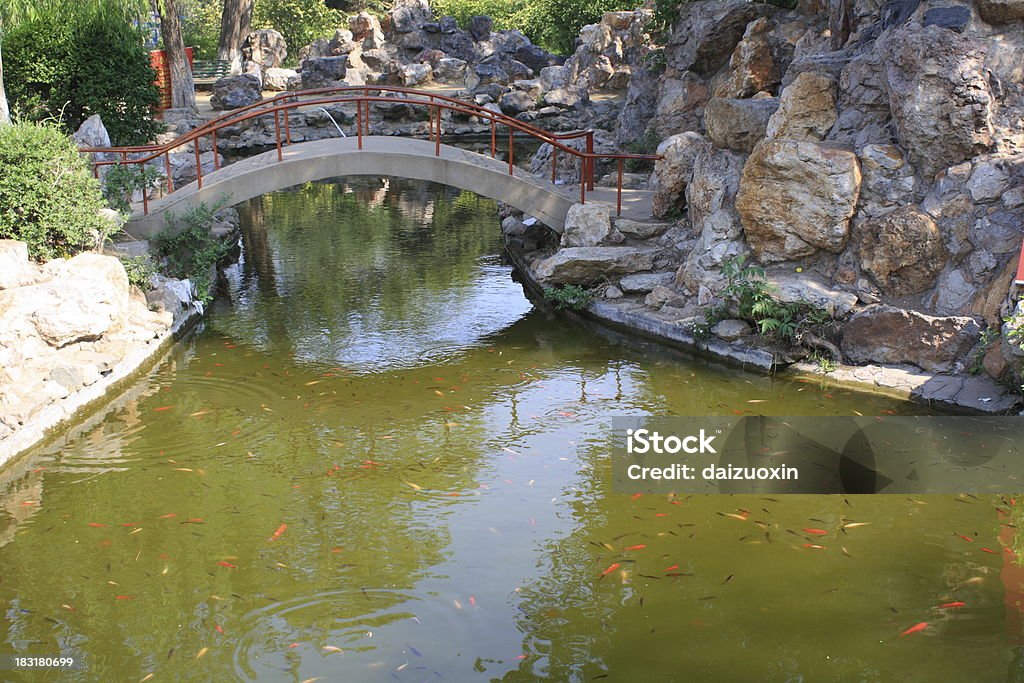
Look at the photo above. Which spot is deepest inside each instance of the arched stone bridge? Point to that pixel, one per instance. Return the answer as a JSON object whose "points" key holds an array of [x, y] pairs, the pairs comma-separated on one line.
{"points": [[381, 156], [361, 153]]}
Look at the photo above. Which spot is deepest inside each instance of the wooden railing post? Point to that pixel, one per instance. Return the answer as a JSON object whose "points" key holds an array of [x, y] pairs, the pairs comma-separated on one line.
{"points": [[216, 155], [437, 133], [287, 127], [359, 123], [590, 160], [511, 150], [199, 165], [277, 133], [618, 199]]}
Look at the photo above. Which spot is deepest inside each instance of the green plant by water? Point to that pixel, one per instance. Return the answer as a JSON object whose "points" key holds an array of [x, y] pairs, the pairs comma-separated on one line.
{"points": [[187, 248], [122, 181], [572, 297]]}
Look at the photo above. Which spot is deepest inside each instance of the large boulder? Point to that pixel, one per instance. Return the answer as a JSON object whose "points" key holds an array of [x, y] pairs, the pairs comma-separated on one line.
{"points": [[480, 27], [585, 265], [324, 72], [738, 124], [92, 133], [450, 70], [883, 334], [569, 97], [13, 263], [888, 180], [638, 108], [233, 92], [807, 109], [586, 225], [366, 29], [266, 48], [797, 197], [673, 172], [753, 66], [409, 15], [1001, 11], [680, 105], [941, 102], [415, 74], [903, 251], [281, 79], [707, 32], [485, 73]]}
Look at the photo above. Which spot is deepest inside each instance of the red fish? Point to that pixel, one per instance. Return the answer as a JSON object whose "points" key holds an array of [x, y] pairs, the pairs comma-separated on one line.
{"points": [[97, 524], [915, 628], [952, 605], [816, 532], [162, 409], [675, 566], [610, 569], [636, 547], [222, 563], [966, 538], [636, 495], [277, 534], [218, 628]]}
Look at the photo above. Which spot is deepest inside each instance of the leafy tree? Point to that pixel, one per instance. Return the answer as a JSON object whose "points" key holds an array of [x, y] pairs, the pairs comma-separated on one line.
{"points": [[234, 27], [299, 21]]}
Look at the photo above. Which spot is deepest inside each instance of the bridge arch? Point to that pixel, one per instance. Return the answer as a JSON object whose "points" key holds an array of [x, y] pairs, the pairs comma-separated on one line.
{"points": [[380, 156]]}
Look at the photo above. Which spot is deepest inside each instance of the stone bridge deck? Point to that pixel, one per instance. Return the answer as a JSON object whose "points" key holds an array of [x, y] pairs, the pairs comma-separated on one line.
{"points": [[382, 156]]}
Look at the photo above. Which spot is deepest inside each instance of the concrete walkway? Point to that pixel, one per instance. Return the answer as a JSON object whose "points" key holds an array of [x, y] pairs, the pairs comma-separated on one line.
{"points": [[381, 156]]}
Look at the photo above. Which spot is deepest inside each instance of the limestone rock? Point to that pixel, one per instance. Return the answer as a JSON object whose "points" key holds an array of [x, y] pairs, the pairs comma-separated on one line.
{"points": [[939, 96], [415, 74], [74, 376], [569, 97], [450, 70], [807, 109], [645, 282], [680, 106], [584, 265], [324, 72], [13, 263], [638, 107], [280, 79], [673, 172], [366, 29], [883, 334], [738, 124], [586, 225], [1001, 11], [664, 296], [554, 77], [516, 102], [613, 292], [797, 197], [707, 32], [480, 27], [887, 182], [638, 230], [92, 133], [233, 92], [731, 330], [265, 48], [753, 66], [903, 251], [484, 74], [988, 181]]}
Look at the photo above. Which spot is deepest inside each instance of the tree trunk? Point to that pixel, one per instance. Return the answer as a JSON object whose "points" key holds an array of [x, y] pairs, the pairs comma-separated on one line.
{"points": [[234, 27], [183, 89], [5, 113]]}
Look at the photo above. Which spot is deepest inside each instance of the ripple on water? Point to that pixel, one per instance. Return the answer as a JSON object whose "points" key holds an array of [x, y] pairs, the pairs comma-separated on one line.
{"points": [[358, 631]]}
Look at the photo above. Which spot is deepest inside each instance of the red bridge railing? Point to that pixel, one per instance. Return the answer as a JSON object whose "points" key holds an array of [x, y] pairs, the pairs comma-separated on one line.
{"points": [[281, 106]]}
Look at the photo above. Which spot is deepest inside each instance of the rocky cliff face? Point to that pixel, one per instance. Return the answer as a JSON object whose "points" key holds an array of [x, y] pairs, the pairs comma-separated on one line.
{"points": [[876, 147]]}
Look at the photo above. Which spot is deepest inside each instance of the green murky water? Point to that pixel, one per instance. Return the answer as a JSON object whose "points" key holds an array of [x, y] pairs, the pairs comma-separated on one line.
{"points": [[379, 462]]}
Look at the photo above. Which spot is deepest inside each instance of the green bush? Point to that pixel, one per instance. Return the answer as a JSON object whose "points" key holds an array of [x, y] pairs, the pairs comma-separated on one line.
{"points": [[48, 197], [70, 67], [572, 297], [139, 270]]}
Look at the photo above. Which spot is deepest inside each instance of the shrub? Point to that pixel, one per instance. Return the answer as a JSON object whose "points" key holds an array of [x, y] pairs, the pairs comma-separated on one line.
{"points": [[139, 270], [573, 297], [69, 67], [122, 181], [191, 252], [48, 197]]}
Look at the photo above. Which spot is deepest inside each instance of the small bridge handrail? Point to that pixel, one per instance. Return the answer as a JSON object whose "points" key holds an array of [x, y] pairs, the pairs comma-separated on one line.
{"points": [[361, 96]]}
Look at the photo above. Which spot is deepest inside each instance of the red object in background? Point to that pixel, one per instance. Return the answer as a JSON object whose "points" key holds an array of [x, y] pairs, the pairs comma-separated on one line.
{"points": [[158, 60]]}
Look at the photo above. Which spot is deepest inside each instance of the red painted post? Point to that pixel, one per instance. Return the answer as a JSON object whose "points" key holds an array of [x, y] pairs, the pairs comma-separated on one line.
{"points": [[511, 151], [167, 170], [199, 165], [359, 123], [287, 129], [277, 133], [618, 199], [145, 199], [216, 155], [590, 160], [437, 135]]}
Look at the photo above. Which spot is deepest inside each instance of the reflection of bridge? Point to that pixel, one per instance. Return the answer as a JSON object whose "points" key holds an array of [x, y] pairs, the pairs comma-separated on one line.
{"points": [[362, 154]]}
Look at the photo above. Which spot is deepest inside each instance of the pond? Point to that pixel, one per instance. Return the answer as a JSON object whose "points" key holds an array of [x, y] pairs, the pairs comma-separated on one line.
{"points": [[377, 460]]}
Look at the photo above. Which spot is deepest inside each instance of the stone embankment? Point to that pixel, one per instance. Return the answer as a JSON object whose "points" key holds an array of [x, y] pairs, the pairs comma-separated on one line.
{"points": [[74, 330]]}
